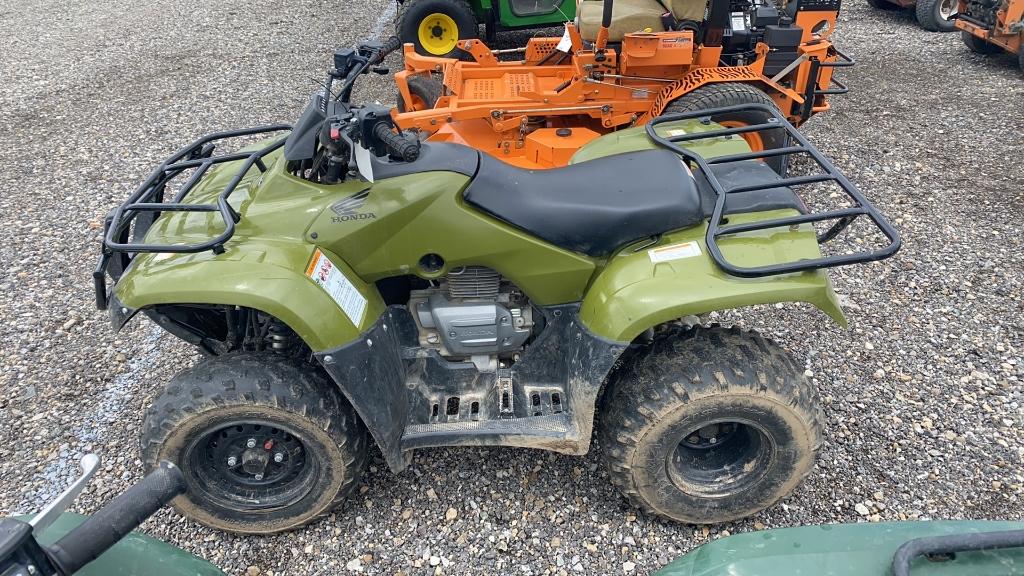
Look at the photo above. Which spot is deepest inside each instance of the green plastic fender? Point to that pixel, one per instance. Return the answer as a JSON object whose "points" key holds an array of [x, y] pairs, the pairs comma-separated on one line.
{"points": [[261, 274], [864, 549], [634, 292], [134, 555]]}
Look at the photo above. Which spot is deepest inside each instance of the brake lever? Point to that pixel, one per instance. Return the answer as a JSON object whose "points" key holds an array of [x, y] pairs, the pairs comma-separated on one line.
{"points": [[90, 464]]}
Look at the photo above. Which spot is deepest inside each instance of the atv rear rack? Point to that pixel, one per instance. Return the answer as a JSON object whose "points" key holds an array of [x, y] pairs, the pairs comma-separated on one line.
{"points": [[148, 199], [796, 144]]}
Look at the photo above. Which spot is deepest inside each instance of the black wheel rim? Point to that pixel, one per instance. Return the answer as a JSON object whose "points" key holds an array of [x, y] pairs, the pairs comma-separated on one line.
{"points": [[250, 465], [720, 458]]}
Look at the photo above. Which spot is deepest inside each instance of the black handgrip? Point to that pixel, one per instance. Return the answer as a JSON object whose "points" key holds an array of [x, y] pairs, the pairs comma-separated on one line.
{"points": [[390, 45], [115, 520], [399, 146]]}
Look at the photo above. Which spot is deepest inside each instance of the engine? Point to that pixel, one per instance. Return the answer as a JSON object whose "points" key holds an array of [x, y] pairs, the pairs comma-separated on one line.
{"points": [[985, 11], [473, 314]]}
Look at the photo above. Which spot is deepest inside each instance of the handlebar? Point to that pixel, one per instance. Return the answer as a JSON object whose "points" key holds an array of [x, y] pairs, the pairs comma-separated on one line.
{"points": [[115, 520], [406, 148]]}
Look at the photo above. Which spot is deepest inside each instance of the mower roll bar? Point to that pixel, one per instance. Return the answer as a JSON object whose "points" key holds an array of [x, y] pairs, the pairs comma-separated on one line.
{"points": [[798, 144]]}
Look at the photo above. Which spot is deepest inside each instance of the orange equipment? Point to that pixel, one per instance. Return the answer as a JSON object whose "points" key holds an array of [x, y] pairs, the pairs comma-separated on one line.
{"points": [[538, 110], [991, 26]]}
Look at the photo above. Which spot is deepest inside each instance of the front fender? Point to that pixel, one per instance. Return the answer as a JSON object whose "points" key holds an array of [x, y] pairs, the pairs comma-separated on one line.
{"points": [[634, 293], [265, 275]]}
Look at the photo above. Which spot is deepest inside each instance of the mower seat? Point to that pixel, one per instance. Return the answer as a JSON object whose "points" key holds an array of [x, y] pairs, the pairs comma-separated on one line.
{"points": [[594, 207], [635, 16]]}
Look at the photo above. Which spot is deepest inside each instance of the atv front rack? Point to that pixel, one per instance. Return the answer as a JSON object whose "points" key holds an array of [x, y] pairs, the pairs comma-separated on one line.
{"points": [[796, 144], [148, 202]]}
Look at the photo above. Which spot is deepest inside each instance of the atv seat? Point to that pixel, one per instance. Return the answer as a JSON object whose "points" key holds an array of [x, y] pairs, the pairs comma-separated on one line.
{"points": [[598, 206], [635, 16], [593, 207]]}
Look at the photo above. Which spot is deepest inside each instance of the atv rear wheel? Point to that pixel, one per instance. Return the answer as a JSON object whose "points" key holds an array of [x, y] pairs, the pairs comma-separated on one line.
{"points": [[266, 444], [424, 91], [709, 425], [936, 15], [436, 26], [730, 94]]}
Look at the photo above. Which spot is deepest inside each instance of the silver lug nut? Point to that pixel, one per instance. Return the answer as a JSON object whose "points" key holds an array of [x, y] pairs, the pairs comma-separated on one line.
{"points": [[258, 476], [279, 457], [250, 443], [232, 461]]}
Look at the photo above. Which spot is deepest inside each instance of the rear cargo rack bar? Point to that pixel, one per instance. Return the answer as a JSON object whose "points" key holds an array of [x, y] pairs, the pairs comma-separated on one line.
{"points": [[148, 202], [797, 145]]}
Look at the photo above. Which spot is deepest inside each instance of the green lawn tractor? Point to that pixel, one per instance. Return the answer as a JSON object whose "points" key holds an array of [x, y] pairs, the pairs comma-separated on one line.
{"points": [[350, 283], [436, 26]]}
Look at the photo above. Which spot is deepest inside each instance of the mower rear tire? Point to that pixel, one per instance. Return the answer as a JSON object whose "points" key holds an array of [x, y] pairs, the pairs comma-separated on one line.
{"points": [[425, 92], [266, 443], [979, 45], [936, 15], [730, 94], [709, 425], [434, 26]]}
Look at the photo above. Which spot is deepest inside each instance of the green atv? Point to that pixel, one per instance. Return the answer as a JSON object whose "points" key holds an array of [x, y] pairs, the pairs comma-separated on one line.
{"points": [[348, 282], [436, 26]]}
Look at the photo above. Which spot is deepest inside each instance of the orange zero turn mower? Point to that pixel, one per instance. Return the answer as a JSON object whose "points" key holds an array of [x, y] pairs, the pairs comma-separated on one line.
{"points": [[621, 64], [993, 26]]}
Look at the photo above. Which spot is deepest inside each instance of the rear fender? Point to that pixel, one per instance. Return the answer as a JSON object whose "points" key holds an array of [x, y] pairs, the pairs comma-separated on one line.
{"points": [[635, 292], [264, 275]]}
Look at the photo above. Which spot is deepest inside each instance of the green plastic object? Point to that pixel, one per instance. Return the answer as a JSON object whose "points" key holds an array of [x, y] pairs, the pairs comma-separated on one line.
{"points": [[135, 555], [845, 550]]}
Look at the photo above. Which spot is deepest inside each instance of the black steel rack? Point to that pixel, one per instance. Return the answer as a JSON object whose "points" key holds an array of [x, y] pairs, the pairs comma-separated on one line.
{"points": [[147, 202], [796, 144]]}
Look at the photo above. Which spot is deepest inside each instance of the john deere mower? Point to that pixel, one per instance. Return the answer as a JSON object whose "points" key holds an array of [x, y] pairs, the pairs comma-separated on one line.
{"points": [[993, 26], [349, 283], [435, 27], [621, 66]]}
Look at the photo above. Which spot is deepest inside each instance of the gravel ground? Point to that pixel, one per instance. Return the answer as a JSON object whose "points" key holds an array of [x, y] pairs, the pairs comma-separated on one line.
{"points": [[923, 393]]}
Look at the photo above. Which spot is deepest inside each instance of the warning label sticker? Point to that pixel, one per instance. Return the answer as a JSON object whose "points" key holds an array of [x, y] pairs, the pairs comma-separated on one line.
{"points": [[674, 252], [322, 271]]}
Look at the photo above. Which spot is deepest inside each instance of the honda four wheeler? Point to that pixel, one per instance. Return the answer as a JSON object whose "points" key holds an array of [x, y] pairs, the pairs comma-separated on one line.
{"points": [[59, 543], [624, 64], [992, 26], [348, 282], [435, 27]]}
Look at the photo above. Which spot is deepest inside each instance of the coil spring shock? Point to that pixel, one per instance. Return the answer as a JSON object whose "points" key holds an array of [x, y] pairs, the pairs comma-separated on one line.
{"points": [[279, 337]]}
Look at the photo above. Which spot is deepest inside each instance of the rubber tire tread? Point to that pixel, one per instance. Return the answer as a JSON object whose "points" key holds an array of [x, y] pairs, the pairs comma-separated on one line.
{"points": [[719, 95], [927, 12], [252, 379], [979, 45], [427, 88], [883, 5], [655, 382], [413, 11]]}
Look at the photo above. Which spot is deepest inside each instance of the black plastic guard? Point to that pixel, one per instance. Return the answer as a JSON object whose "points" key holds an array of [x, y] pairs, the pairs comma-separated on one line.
{"points": [[371, 374]]}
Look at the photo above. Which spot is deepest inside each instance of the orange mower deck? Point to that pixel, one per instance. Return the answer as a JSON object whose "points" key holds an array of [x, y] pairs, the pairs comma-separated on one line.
{"points": [[537, 111]]}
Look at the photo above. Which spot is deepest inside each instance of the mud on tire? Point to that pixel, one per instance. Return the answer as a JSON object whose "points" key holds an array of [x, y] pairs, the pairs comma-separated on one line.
{"points": [[709, 425], [291, 407]]}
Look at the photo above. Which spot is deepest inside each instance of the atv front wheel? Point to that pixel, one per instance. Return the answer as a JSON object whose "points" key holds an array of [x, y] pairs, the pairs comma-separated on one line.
{"points": [[936, 15], [266, 444], [730, 94], [709, 425], [436, 26]]}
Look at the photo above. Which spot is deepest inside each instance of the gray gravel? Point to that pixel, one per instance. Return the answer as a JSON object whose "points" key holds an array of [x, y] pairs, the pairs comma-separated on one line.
{"points": [[923, 393]]}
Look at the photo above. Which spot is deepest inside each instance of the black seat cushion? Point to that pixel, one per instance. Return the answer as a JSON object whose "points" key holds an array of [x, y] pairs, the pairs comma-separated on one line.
{"points": [[747, 172], [593, 207]]}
